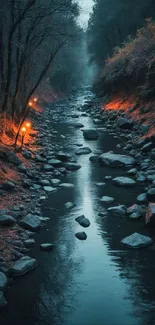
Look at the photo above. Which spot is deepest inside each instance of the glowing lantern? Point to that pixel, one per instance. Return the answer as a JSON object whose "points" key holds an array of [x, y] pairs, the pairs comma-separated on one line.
{"points": [[28, 124], [23, 130], [30, 104], [35, 99]]}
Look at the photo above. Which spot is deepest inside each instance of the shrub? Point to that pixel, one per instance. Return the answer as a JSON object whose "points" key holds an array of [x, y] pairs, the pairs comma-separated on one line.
{"points": [[132, 67]]}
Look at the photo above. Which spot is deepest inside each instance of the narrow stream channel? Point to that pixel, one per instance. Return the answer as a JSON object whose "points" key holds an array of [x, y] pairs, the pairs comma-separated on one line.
{"points": [[95, 282]]}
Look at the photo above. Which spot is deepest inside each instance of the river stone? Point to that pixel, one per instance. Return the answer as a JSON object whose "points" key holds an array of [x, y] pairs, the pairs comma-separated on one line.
{"points": [[100, 184], [142, 198], [135, 211], [116, 160], [72, 166], [66, 185], [6, 220], [137, 240], [124, 181], [94, 158], [49, 189], [83, 151], [3, 281], [119, 210], [62, 156], [38, 158], [30, 222], [77, 125], [3, 301], [29, 243], [55, 162], [69, 205], [45, 182], [90, 134], [84, 222], [150, 215], [132, 171], [151, 195], [23, 265], [8, 186], [81, 235], [46, 246], [125, 124], [47, 168], [55, 182], [107, 199]]}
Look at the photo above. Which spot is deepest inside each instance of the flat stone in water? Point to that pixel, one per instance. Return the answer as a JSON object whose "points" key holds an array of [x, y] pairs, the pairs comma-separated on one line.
{"points": [[107, 199], [84, 222], [29, 243], [48, 168], [100, 184], [90, 134], [132, 171], [83, 151], [124, 181], [6, 220], [116, 160], [46, 247], [3, 281], [30, 222], [67, 185], [72, 166], [49, 189], [94, 158], [81, 235], [22, 266], [137, 240], [3, 301], [55, 182], [142, 198], [119, 210], [55, 162], [69, 205]]}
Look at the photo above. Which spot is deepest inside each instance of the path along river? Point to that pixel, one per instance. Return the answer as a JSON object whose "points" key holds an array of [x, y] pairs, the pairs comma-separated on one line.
{"points": [[95, 282]]}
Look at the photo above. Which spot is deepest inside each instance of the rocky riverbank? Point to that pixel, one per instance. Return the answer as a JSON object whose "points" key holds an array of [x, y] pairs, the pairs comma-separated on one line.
{"points": [[29, 176]]}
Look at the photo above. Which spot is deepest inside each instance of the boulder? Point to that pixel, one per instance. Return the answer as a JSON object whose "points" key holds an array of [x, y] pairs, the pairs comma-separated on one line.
{"points": [[62, 156], [23, 265], [94, 158], [124, 181], [83, 151], [81, 235], [48, 168], [30, 222], [137, 240], [27, 154], [29, 243], [69, 205], [125, 124], [3, 301], [135, 211], [46, 247], [119, 210], [90, 134], [116, 160], [6, 220], [55, 162], [142, 198], [55, 182], [3, 281], [150, 215], [84, 222], [49, 189], [45, 182], [151, 195], [132, 171], [107, 199], [72, 166]]}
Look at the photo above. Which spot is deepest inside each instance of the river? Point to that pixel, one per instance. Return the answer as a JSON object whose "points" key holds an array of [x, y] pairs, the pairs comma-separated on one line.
{"points": [[93, 282]]}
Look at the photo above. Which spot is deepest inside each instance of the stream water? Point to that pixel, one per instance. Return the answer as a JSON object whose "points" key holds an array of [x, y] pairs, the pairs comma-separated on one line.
{"points": [[95, 282]]}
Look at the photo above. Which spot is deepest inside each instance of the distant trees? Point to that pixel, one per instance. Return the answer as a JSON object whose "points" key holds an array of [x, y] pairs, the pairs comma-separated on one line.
{"points": [[112, 22], [32, 34]]}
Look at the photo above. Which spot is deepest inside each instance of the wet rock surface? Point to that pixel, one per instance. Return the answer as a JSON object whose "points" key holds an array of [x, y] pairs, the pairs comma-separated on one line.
{"points": [[137, 241], [22, 266], [116, 160]]}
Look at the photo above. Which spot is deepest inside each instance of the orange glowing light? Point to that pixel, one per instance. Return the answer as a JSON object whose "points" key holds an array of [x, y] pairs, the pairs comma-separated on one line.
{"points": [[30, 104], [28, 124], [23, 130], [35, 99]]}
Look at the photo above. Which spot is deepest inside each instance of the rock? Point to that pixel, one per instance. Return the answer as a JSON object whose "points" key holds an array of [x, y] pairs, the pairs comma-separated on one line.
{"points": [[42, 198], [150, 215], [49, 189], [66, 185], [84, 222], [72, 166], [124, 181], [55, 182], [30, 222], [137, 240], [23, 265], [107, 199], [147, 147], [55, 162], [46, 247], [69, 205], [119, 210], [3, 301], [22, 169], [83, 151], [90, 134], [100, 184], [39, 159], [45, 182], [9, 156], [77, 125], [141, 179], [62, 156], [94, 158], [116, 160], [8, 186], [142, 198], [97, 121], [27, 154], [135, 211], [81, 235], [7, 220], [132, 171], [48, 168], [125, 124], [27, 183], [29, 243], [3, 281], [151, 195]]}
